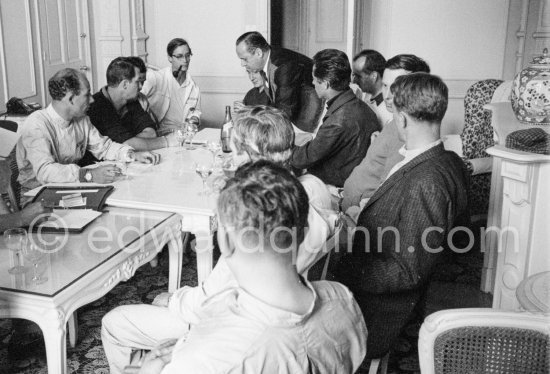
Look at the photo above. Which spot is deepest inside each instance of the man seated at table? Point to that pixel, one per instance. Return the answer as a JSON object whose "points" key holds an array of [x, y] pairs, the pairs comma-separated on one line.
{"points": [[173, 94], [54, 139], [269, 319], [260, 133], [116, 112], [406, 224], [383, 154], [256, 95], [344, 136], [368, 70]]}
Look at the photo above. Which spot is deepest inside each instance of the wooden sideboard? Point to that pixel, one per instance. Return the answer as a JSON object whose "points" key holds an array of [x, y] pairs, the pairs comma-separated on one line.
{"points": [[518, 226]]}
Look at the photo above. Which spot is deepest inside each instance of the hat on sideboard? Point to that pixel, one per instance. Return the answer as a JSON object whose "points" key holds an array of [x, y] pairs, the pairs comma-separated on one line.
{"points": [[534, 140]]}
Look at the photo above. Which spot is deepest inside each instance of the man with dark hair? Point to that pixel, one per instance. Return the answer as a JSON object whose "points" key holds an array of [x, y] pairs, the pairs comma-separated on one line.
{"points": [[287, 75], [409, 218], [116, 112], [272, 320], [383, 153], [344, 136], [173, 94], [54, 139], [368, 69]]}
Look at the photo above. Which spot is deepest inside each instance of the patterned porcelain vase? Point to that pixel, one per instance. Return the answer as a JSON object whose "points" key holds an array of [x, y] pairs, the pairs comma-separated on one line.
{"points": [[531, 92]]}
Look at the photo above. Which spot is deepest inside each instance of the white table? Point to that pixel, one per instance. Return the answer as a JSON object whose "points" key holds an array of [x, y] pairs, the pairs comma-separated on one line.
{"points": [[83, 269], [174, 186]]}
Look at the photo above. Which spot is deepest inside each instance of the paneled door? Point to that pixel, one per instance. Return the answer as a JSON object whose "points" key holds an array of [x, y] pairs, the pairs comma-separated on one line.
{"points": [[327, 25], [64, 33]]}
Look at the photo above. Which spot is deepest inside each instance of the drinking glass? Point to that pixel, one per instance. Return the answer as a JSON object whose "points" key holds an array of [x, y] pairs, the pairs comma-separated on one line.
{"points": [[190, 129], [34, 254], [204, 171], [128, 159], [214, 147], [15, 240]]}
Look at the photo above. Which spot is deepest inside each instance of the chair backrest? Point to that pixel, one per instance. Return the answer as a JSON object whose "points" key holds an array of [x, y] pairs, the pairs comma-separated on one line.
{"points": [[484, 340], [322, 257]]}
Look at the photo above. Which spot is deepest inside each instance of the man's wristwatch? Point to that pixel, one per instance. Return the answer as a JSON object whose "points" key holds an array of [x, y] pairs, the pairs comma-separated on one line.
{"points": [[88, 176]]}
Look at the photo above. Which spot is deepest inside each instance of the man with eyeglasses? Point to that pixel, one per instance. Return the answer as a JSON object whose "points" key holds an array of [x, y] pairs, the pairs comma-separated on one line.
{"points": [[172, 93]]}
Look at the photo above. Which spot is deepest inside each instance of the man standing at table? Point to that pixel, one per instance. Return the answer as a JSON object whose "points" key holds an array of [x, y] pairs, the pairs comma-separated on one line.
{"points": [[368, 70], [173, 94], [116, 112], [54, 139], [344, 136], [287, 76]]}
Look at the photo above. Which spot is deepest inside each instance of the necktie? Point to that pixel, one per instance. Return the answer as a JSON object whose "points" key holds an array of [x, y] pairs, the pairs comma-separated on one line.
{"points": [[266, 86]]}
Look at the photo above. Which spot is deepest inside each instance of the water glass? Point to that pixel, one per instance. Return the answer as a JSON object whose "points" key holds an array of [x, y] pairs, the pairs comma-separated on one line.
{"points": [[204, 171], [34, 254], [16, 240]]}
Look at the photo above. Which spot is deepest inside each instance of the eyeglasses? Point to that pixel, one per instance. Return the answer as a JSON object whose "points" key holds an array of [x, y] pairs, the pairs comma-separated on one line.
{"points": [[181, 57]]}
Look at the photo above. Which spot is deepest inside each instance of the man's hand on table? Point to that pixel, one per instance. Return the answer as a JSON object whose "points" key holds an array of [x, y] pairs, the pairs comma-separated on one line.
{"points": [[147, 157], [105, 174]]}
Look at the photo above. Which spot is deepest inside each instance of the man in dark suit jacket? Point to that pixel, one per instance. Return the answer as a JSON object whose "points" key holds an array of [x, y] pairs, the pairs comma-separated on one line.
{"points": [[409, 217], [344, 136], [288, 78]]}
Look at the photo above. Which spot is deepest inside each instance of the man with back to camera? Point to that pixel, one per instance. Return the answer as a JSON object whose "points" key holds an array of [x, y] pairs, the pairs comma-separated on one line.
{"points": [[344, 136], [259, 133], [421, 200], [383, 153], [54, 139], [172, 93], [368, 70], [116, 112], [271, 320], [287, 75]]}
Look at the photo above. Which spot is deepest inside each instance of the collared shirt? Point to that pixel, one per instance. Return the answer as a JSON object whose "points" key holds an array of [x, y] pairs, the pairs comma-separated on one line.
{"points": [[50, 147], [409, 155], [376, 104], [171, 102], [238, 333]]}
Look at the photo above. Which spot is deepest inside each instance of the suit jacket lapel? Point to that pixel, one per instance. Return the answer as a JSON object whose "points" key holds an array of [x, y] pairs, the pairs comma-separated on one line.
{"points": [[402, 172], [271, 68]]}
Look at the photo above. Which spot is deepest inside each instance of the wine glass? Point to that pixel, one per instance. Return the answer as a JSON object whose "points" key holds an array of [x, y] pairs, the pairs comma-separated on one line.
{"points": [[34, 254], [190, 129], [180, 134], [204, 171], [128, 159], [214, 147], [15, 240]]}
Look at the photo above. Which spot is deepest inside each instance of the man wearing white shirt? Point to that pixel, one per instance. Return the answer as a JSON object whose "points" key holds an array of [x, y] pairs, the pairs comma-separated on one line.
{"points": [[172, 93], [54, 139]]}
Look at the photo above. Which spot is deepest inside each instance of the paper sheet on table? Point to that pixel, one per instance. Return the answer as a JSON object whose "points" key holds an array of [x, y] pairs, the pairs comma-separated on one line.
{"points": [[206, 134], [74, 220]]}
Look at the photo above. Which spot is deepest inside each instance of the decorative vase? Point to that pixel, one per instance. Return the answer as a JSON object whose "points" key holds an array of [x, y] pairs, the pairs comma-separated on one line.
{"points": [[531, 92]]}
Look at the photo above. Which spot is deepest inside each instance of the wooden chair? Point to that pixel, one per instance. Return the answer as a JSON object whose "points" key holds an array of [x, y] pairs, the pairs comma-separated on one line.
{"points": [[484, 340], [324, 255]]}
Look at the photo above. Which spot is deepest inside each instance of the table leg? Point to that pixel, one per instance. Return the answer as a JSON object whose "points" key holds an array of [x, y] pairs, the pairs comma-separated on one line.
{"points": [[204, 249], [175, 251], [73, 329], [53, 328]]}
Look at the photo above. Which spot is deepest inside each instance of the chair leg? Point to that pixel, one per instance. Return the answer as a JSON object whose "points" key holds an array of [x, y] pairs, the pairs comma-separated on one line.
{"points": [[73, 329], [379, 365]]}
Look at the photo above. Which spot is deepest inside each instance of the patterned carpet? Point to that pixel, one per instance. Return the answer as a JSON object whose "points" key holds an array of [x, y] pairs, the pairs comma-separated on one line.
{"points": [[454, 285]]}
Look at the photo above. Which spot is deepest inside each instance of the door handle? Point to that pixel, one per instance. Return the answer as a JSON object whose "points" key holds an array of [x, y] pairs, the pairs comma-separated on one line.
{"points": [[84, 68]]}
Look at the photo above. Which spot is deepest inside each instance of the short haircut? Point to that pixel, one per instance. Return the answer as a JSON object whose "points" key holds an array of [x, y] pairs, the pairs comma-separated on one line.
{"points": [[120, 69], [374, 61], [333, 66], [64, 81], [410, 63], [138, 63], [264, 133], [422, 96], [264, 199], [253, 40], [175, 43]]}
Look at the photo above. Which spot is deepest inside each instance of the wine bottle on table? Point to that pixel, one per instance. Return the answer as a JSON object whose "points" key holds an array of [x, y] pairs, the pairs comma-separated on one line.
{"points": [[226, 130]]}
